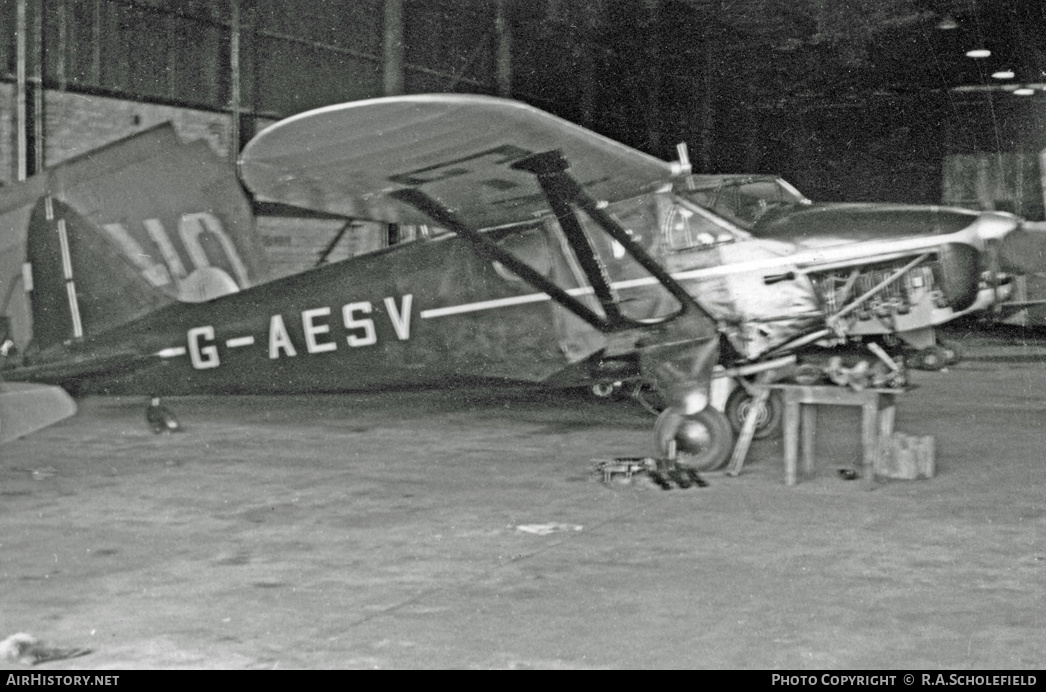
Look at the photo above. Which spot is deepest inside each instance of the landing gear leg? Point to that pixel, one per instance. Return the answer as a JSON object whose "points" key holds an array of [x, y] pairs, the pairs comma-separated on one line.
{"points": [[648, 397]]}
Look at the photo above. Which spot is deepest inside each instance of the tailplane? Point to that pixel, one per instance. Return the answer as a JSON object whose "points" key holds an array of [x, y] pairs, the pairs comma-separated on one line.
{"points": [[26, 408]]}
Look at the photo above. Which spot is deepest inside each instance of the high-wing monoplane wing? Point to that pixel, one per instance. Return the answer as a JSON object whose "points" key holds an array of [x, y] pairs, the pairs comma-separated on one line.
{"points": [[349, 158]]}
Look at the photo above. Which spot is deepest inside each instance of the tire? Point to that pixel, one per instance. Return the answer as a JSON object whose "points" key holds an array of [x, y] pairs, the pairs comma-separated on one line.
{"points": [[808, 374], [930, 358], [952, 353], [704, 440], [769, 422]]}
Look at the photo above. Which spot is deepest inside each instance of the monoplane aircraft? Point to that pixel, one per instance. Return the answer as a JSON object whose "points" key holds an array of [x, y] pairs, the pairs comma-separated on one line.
{"points": [[558, 257]]}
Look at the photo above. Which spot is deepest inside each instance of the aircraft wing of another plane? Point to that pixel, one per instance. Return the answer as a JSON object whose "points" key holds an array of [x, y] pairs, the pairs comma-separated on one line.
{"points": [[349, 158]]}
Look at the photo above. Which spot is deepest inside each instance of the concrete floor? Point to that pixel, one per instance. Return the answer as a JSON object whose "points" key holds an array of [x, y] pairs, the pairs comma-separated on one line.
{"points": [[383, 531]]}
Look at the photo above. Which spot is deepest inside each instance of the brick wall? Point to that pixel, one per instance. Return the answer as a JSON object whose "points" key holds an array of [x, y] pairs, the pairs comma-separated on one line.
{"points": [[77, 123], [8, 155], [294, 245]]}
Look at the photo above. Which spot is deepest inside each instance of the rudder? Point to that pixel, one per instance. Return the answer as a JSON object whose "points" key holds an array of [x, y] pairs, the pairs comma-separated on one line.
{"points": [[78, 283]]}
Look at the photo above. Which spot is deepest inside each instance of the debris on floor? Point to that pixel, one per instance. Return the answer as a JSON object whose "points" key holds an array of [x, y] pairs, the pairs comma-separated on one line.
{"points": [[546, 529], [26, 649], [665, 473], [38, 474]]}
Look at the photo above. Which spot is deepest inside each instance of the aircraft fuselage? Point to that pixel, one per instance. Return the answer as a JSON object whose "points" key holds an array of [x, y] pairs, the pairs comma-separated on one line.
{"points": [[375, 321]]}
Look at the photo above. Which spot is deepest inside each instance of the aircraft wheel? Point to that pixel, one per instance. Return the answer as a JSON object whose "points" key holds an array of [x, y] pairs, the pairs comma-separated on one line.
{"points": [[952, 354], [930, 358], [808, 374], [604, 390], [768, 424], [703, 440]]}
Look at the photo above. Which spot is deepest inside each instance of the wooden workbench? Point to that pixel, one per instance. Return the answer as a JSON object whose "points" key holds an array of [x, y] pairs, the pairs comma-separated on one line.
{"points": [[878, 411]]}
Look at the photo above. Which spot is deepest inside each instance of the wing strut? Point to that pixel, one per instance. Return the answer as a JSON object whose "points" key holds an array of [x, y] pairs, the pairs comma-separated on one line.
{"points": [[564, 194], [550, 169], [488, 249], [333, 243], [562, 190], [677, 353]]}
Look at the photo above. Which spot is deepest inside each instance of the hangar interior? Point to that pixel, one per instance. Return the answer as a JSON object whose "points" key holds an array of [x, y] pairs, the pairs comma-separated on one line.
{"points": [[464, 529], [876, 105]]}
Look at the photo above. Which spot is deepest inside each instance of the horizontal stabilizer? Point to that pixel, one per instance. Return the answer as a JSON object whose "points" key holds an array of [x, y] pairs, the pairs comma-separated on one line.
{"points": [[26, 408]]}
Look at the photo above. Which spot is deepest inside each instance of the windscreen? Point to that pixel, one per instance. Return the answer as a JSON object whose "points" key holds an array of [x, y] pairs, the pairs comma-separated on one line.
{"points": [[743, 200]]}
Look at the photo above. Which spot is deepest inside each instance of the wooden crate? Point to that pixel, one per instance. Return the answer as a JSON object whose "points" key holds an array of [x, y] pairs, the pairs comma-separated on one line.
{"points": [[906, 457]]}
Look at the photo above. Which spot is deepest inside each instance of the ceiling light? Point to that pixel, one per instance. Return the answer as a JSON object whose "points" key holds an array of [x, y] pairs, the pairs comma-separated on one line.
{"points": [[1024, 91], [947, 23], [1003, 74], [978, 53]]}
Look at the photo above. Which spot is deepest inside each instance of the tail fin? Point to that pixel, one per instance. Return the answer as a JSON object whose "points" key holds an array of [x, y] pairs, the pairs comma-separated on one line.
{"points": [[76, 278], [131, 228]]}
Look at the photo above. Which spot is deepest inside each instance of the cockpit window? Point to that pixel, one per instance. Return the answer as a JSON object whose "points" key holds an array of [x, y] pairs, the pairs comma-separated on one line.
{"points": [[743, 200], [691, 228]]}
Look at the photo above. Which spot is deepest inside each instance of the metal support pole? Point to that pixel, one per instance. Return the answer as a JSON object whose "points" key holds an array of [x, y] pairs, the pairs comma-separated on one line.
{"points": [[235, 106], [21, 89], [393, 49], [653, 100], [707, 104], [36, 119], [503, 29]]}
